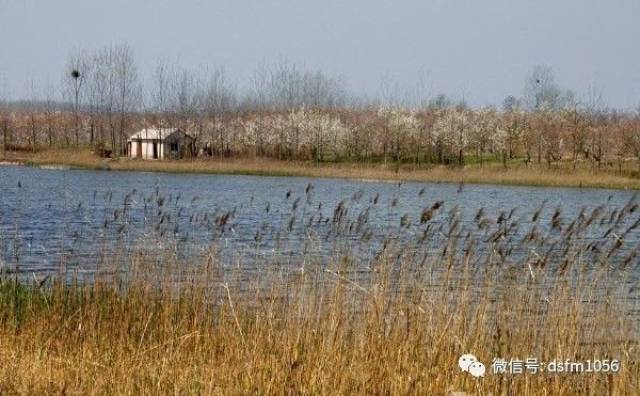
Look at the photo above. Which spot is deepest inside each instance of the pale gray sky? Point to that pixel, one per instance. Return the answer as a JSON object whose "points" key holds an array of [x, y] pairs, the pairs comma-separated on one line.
{"points": [[481, 50]]}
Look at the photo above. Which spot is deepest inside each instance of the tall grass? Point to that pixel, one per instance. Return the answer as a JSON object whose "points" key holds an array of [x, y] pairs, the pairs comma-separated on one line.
{"points": [[397, 330], [393, 320]]}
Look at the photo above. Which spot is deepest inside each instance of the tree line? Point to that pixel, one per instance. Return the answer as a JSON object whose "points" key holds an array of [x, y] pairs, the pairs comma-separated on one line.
{"points": [[293, 114]]}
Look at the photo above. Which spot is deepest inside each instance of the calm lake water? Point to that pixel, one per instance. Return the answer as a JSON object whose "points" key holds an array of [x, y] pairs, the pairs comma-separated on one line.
{"points": [[82, 218]]}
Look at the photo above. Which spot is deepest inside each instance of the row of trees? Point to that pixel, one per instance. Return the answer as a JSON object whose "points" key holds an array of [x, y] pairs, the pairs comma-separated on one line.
{"points": [[382, 134], [103, 94], [288, 113]]}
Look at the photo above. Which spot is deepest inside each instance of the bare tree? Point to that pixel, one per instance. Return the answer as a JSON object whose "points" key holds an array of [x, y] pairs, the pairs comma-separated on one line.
{"points": [[33, 116], [440, 102], [160, 91], [285, 86], [4, 118], [577, 125], [257, 98], [632, 135], [106, 91], [96, 87], [510, 104], [127, 88], [77, 65], [50, 113], [541, 90], [593, 100], [218, 99]]}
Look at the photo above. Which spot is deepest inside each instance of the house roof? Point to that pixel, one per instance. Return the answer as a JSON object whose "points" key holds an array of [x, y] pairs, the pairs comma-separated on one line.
{"points": [[154, 133]]}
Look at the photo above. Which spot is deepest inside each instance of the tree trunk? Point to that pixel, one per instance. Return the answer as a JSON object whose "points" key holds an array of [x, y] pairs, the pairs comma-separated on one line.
{"points": [[5, 136]]}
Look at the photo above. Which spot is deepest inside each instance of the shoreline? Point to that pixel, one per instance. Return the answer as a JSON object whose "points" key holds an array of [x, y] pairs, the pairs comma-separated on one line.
{"points": [[516, 175]]}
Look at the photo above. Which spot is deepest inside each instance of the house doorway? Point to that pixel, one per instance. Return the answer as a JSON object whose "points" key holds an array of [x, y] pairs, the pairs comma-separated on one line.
{"points": [[155, 150], [139, 150]]}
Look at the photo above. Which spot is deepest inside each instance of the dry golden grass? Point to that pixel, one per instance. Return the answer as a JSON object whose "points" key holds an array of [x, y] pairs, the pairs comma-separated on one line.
{"points": [[561, 174], [316, 332], [331, 326]]}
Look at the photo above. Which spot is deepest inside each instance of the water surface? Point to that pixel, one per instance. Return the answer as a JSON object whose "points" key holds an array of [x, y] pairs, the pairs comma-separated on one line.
{"points": [[81, 218]]}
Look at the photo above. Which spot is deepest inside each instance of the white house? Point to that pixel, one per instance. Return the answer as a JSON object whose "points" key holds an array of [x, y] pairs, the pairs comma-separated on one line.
{"points": [[160, 143]]}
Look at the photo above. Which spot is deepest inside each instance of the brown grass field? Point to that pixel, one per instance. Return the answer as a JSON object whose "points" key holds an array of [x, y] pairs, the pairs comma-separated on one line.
{"points": [[618, 176], [316, 332]]}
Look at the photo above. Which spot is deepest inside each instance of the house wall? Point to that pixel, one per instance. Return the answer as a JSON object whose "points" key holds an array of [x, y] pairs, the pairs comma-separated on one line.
{"points": [[180, 141], [166, 151], [147, 149], [132, 148]]}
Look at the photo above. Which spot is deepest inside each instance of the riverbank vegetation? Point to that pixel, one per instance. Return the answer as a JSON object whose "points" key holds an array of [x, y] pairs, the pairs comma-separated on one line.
{"points": [[561, 174], [316, 331], [301, 117]]}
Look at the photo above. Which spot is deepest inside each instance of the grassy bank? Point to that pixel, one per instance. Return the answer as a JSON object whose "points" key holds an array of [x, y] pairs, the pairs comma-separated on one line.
{"points": [[317, 333], [559, 174]]}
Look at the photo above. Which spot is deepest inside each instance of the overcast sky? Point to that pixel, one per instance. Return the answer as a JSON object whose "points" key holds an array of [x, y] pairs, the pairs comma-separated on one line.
{"points": [[479, 50]]}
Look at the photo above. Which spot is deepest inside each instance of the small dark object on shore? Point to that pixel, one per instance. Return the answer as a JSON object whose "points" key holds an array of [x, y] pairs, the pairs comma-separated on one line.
{"points": [[103, 152]]}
